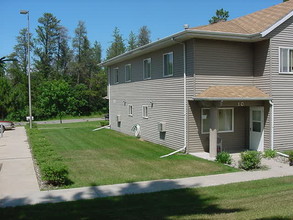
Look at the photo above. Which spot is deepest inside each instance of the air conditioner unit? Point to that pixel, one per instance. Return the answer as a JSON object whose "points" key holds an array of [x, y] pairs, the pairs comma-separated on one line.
{"points": [[118, 118], [162, 126]]}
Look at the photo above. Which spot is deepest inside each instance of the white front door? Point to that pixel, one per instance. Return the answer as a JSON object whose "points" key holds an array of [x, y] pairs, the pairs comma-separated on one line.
{"points": [[256, 128]]}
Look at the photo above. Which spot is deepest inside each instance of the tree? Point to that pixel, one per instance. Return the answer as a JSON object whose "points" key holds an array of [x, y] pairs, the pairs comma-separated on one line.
{"points": [[117, 46], [64, 53], [81, 46], [47, 44], [221, 15], [132, 41], [20, 49], [143, 36], [5, 97]]}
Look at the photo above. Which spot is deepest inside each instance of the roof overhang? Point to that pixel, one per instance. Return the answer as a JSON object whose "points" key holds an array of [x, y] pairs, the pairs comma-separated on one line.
{"points": [[181, 36], [277, 24]]}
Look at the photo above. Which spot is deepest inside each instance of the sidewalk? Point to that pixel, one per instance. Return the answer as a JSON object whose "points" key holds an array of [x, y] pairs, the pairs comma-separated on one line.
{"points": [[17, 174], [18, 184]]}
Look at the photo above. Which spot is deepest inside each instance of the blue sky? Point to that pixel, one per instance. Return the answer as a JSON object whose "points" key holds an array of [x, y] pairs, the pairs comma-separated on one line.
{"points": [[163, 17]]}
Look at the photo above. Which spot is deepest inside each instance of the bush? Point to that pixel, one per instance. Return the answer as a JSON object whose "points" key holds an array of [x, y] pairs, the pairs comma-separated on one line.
{"points": [[104, 123], [270, 153], [291, 157], [250, 160], [224, 157], [51, 165], [55, 173]]}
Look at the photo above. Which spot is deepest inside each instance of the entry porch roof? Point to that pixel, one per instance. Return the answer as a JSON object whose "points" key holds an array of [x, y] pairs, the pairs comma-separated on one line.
{"points": [[232, 93]]}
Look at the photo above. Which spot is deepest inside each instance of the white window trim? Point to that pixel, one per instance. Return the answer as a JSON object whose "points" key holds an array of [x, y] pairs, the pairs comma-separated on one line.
{"points": [[287, 73], [201, 121], [164, 64], [130, 113], [116, 82], [147, 111], [129, 73], [150, 59]]}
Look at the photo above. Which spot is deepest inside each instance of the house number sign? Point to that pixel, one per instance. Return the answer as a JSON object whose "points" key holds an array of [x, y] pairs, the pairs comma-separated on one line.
{"points": [[241, 103]]}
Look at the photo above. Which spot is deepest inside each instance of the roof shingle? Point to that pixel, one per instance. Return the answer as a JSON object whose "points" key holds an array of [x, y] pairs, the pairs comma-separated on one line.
{"points": [[253, 23], [233, 92]]}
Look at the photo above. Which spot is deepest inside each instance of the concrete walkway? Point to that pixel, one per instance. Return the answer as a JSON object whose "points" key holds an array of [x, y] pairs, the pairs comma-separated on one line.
{"points": [[17, 174], [18, 184]]}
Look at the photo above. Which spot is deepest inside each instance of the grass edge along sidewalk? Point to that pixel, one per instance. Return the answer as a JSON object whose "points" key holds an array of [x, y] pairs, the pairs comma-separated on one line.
{"points": [[109, 157], [260, 199]]}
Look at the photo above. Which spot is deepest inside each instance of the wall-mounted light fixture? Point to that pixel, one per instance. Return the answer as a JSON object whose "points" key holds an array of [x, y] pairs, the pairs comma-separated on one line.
{"points": [[152, 104], [124, 102]]}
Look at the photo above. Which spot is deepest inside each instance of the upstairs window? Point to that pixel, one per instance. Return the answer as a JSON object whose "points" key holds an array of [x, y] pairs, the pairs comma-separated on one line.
{"points": [[286, 60], [127, 72], [147, 68], [116, 75], [168, 64]]}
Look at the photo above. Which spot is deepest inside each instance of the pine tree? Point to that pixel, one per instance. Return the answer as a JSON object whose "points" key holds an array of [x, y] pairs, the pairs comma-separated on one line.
{"points": [[117, 46], [221, 15], [47, 44], [144, 36], [132, 41]]}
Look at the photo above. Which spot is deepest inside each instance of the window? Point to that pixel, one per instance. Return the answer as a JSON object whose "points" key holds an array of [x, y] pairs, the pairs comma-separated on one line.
{"points": [[286, 60], [145, 111], [116, 75], [168, 64], [130, 110], [127, 72], [147, 68], [225, 120]]}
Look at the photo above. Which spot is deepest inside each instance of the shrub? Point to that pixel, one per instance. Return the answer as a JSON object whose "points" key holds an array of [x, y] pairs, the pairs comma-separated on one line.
{"points": [[250, 160], [224, 157], [270, 153], [290, 158], [55, 173], [52, 168], [104, 123]]}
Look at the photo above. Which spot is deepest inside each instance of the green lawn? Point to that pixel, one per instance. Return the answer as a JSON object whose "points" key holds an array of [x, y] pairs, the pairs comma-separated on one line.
{"points": [[109, 157], [263, 199]]}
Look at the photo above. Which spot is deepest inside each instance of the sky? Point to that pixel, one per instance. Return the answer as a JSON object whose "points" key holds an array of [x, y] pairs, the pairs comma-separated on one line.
{"points": [[163, 17]]}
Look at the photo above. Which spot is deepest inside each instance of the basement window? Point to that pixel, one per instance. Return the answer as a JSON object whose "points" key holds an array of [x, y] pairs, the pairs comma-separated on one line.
{"points": [[145, 112], [130, 110]]}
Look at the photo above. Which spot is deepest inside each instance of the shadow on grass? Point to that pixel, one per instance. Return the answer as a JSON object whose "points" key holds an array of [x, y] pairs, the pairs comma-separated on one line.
{"points": [[157, 205]]}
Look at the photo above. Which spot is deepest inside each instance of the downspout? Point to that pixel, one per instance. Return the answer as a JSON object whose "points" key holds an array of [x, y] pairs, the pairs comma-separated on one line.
{"points": [[272, 124], [184, 103], [109, 93]]}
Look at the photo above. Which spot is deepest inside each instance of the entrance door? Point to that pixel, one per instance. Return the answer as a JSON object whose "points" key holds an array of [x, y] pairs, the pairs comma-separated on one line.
{"points": [[256, 128]]}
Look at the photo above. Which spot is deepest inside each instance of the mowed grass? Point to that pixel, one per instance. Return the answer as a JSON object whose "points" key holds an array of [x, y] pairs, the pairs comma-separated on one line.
{"points": [[109, 157], [263, 199]]}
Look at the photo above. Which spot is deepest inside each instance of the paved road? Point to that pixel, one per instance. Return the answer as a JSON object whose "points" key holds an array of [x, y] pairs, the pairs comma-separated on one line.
{"points": [[17, 174]]}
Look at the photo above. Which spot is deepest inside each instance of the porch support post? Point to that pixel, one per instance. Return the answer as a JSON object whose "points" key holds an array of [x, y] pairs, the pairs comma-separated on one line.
{"points": [[213, 131]]}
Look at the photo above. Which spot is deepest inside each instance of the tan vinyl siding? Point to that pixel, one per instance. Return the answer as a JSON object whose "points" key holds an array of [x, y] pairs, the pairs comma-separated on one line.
{"points": [[262, 80], [282, 89], [222, 63]]}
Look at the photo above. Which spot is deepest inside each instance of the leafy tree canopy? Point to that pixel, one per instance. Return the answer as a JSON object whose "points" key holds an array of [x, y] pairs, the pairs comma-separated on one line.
{"points": [[221, 15]]}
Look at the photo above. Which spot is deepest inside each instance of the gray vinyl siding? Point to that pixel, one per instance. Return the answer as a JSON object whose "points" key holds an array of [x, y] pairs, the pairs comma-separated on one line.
{"points": [[166, 94], [262, 80], [282, 88]]}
